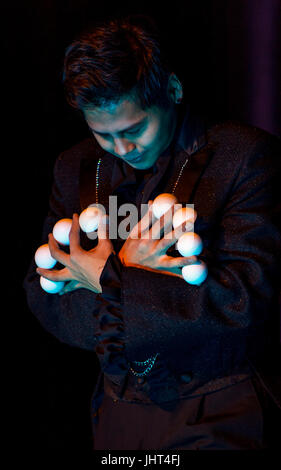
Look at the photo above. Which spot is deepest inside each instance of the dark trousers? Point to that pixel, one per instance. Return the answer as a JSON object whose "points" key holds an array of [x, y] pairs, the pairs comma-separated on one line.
{"points": [[233, 418]]}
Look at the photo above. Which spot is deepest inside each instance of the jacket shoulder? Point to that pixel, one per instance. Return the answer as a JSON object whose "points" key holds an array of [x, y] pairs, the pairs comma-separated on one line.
{"points": [[243, 136], [68, 163], [85, 149], [236, 144]]}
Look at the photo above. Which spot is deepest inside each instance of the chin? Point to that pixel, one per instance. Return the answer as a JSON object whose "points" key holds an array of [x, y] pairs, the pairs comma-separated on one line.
{"points": [[142, 165], [146, 164]]}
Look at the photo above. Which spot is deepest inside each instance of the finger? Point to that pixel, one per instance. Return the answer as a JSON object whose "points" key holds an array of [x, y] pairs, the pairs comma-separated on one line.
{"points": [[147, 220], [56, 252], [74, 234], [162, 225], [168, 271], [55, 274], [70, 287], [144, 223], [172, 237], [171, 262], [103, 228], [171, 272]]}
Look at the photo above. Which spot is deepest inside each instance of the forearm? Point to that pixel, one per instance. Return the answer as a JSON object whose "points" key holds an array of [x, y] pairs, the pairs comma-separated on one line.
{"points": [[230, 310], [69, 317]]}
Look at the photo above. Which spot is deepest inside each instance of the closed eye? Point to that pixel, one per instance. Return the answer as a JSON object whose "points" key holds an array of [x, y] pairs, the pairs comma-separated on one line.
{"points": [[134, 130]]}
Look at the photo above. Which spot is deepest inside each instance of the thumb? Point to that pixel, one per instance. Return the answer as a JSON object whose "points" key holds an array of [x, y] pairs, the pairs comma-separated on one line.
{"points": [[103, 228]]}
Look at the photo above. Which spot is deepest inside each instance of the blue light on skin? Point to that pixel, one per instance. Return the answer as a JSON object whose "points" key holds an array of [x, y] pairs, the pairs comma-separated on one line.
{"points": [[131, 133]]}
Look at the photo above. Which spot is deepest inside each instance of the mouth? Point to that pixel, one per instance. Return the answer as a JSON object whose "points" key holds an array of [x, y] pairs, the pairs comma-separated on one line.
{"points": [[134, 160]]}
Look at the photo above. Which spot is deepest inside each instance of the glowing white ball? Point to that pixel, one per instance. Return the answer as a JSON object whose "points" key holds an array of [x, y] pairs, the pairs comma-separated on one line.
{"points": [[162, 204], [195, 273], [184, 214], [61, 231], [189, 244], [52, 287], [43, 257], [89, 219]]}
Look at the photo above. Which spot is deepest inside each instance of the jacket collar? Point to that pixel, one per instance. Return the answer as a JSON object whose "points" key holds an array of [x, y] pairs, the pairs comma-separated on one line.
{"points": [[190, 137], [191, 134]]}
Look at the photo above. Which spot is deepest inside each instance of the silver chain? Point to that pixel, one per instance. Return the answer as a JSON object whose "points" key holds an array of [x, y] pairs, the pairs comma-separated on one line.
{"points": [[179, 175], [98, 176], [97, 180], [151, 360]]}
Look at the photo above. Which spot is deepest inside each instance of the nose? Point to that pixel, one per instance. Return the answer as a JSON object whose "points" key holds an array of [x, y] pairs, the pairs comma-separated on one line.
{"points": [[123, 146]]}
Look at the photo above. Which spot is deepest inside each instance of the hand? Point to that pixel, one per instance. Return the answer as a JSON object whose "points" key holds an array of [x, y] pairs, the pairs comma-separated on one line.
{"points": [[145, 249], [82, 268]]}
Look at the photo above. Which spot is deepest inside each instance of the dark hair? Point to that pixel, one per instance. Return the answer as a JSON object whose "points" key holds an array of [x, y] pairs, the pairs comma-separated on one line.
{"points": [[117, 58]]}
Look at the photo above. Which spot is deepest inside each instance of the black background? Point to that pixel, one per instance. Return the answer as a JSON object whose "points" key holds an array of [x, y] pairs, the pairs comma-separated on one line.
{"points": [[224, 50]]}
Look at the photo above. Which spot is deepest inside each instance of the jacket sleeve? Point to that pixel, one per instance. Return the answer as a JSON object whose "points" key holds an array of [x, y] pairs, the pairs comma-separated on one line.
{"points": [[233, 306], [69, 317]]}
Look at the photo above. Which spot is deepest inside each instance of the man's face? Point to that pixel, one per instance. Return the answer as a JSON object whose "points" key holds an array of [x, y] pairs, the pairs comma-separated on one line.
{"points": [[128, 132]]}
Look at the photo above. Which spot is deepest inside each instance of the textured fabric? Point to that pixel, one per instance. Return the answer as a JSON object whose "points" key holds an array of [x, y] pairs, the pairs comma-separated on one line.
{"points": [[213, 333], [110, 332], [69, 317], [228, 312], [229, 419]]}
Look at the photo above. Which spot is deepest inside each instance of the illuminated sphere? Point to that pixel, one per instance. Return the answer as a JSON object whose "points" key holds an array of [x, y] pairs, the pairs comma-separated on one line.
{"points": [[189, 244], [184, 214], [162, 204], [43, 257], [195, 273], [89, 219], [61, 231], [52, 287]]}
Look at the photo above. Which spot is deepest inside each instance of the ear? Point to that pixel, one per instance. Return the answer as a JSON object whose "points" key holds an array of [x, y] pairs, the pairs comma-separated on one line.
{"points": [[175, 90]]}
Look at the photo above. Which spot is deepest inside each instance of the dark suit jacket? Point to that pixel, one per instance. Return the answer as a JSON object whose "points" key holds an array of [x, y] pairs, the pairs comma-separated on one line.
{"points": [[211, 334]]}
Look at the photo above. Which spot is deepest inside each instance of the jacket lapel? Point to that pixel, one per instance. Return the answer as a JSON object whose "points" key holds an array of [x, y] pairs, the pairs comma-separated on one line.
{"points": [[192, 173], [87, 179], [191, 144]]}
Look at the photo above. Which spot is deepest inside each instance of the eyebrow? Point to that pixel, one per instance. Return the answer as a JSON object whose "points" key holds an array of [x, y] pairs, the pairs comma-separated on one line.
{"points": [[136, 124]]}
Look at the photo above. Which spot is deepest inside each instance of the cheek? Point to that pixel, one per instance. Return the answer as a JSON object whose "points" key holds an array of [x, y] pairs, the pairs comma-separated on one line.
{"points": [[151, 137], [103, 143]]}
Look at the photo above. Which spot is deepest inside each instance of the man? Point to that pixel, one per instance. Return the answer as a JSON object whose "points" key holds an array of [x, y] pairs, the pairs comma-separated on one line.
{"points": [[179, 363]]}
